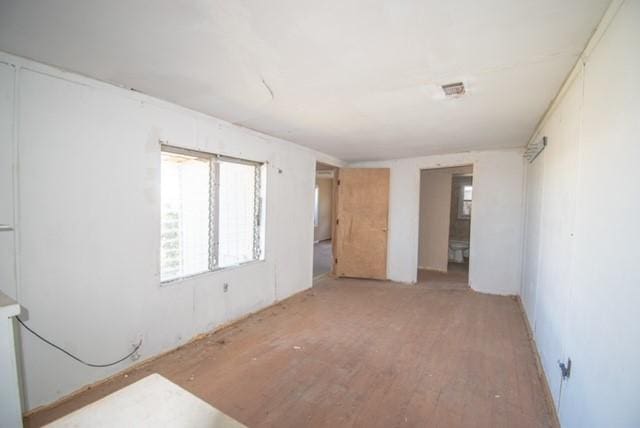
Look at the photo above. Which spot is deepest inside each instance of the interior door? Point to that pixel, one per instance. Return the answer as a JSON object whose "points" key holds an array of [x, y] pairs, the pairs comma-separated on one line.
{"points": [[362, 218]]}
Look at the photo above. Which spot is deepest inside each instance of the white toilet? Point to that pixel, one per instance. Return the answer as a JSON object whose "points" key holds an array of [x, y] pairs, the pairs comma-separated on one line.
{"points": [[458, 250]]}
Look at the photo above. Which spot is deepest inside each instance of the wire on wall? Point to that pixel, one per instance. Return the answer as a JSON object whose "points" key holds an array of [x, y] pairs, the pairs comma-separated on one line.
{"points": [[80, 360]]}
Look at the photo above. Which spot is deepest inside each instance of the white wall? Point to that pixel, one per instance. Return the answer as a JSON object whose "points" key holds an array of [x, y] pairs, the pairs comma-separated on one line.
{"points": [[7, 270], [581, 276], [88, 224], [496, 222]]}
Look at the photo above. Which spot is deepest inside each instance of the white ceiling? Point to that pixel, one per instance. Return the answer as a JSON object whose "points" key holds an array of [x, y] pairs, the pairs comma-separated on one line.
{"points": [[357, 79]]}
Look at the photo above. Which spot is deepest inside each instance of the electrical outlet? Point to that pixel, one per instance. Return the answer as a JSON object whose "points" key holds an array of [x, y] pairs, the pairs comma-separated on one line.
{"points": [[565, 369], [135, 356], [138, 344]]}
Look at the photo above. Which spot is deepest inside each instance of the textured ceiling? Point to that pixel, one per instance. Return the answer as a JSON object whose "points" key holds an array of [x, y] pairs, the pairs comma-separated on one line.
{"points": [[355, 79]]}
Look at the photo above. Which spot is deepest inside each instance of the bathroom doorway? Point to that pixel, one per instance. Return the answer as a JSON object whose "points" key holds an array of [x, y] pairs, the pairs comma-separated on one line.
{"points": [[446, 205]]}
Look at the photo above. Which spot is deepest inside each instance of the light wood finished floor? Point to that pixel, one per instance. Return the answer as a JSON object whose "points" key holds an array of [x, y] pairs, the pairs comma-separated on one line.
{"points": [[361, 353]]}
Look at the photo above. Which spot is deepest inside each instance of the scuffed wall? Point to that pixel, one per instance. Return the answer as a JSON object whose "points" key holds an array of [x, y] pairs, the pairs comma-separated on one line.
{"points": [[88, 224]]}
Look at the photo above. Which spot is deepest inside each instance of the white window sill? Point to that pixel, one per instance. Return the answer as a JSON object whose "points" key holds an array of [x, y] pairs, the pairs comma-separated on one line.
{"points": [[209, 272]]}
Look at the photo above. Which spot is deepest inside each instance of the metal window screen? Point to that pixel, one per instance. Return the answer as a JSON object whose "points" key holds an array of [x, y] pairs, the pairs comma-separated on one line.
{"points": [[185, 216], [211, 215], [237, 213]]}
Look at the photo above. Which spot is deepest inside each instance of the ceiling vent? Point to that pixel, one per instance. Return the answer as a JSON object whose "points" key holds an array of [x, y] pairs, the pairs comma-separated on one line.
{"points": [[453, 89]]}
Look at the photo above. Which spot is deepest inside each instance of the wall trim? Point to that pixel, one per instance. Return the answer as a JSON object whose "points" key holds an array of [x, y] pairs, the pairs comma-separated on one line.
{"points": [[582, 60], [71, 76], [541, 373]]}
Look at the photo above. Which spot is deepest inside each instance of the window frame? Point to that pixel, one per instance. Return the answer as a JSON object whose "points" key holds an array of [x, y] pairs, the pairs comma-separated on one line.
{"points": [[259, 217], [462, 200], [316, 206]]}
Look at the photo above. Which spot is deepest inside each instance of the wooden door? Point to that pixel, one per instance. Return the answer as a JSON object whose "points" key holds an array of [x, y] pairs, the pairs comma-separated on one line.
{"points": [[362, 218]]}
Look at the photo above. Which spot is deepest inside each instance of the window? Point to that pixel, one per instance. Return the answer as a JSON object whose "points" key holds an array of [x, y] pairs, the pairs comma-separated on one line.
{"points": [[464, 203], [316, 207], [211, 212]]}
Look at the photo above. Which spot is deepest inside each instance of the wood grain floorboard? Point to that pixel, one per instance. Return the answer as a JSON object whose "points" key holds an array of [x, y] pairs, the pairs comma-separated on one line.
{"points": [[357, 353]]}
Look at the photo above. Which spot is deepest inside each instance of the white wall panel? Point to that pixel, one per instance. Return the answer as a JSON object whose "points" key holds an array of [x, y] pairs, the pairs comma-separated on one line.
{"points": [[581, 275], [7, 156], [496, 221], [90, 227]]}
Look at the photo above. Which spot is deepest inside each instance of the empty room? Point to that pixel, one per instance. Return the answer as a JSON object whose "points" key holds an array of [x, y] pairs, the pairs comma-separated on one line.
{"points": [[410, 213]]}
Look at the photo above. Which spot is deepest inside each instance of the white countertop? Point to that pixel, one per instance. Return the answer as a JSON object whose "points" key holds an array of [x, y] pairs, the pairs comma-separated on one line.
{"points": [[152, 402], [8, 306]]}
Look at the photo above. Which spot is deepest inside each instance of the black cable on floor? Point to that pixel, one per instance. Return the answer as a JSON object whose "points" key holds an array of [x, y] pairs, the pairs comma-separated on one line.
{"points": [[73, 356]]}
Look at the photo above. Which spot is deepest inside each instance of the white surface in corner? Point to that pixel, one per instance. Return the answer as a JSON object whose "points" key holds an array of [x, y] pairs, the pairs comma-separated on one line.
{"points": [[152, 402], [10, 406], [8, 307]]}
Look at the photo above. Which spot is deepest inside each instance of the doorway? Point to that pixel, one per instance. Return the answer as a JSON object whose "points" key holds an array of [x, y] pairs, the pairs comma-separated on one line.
{"points": [[323, 220], [446, 200]]}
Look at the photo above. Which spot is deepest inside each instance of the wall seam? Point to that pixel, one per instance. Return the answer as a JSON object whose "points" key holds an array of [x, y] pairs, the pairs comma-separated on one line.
{"points": [[599, 32], [571, 282], [16, 179], [78, 78]]}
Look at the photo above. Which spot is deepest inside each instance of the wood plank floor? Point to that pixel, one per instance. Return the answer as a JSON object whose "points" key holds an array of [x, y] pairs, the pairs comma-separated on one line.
{"points": [[363, 354]]}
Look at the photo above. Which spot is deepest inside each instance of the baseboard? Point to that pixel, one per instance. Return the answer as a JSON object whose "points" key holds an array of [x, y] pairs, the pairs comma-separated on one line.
{"points": [[539, 367], [152, 358]]}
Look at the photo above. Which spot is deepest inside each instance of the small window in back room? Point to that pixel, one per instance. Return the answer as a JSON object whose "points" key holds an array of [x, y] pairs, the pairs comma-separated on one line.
{"points": [[211, 215], [464, 205], [316, 207]]}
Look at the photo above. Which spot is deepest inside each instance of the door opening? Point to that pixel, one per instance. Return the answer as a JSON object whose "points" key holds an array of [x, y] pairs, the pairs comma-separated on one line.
{"points": [[323, 214], [446, 200]]}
